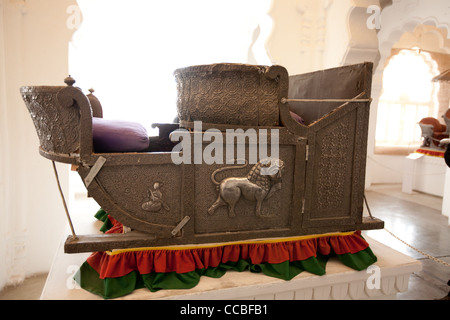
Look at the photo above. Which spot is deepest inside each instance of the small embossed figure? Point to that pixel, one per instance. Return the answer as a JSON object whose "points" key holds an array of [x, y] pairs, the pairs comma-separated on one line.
{"points": [[156, 202]]}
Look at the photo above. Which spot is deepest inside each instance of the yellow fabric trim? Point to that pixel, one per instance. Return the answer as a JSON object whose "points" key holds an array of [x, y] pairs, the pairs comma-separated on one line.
{"points": [[214, 245]]}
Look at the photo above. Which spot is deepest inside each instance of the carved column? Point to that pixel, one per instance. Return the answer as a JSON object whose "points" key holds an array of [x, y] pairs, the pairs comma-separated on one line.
{"points": [[298, 35]]}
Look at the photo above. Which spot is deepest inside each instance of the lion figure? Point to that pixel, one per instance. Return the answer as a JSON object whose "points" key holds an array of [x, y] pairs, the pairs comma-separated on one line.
{"points": [[261, 182]]}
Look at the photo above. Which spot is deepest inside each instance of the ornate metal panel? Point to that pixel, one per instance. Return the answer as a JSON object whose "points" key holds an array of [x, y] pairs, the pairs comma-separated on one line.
{"points": [[335, 178], [57, 126], [228, 94]]}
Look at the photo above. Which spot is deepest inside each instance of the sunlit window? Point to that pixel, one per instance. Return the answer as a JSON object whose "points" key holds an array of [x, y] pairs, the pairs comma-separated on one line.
{"points": [[127, 50], [408, 96]]}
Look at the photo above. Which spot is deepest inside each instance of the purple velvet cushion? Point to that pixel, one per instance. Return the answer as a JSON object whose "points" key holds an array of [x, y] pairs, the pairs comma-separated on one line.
{"points": [[118, 136]]}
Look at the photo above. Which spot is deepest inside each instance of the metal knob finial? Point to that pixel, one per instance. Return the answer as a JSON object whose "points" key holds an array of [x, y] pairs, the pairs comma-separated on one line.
{"points": [[69, 81]]}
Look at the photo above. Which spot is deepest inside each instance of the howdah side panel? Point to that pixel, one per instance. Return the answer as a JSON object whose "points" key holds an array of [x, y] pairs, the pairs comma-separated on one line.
{"points": [[144, 197], [216, 191], [333, 191], [151, 193]]}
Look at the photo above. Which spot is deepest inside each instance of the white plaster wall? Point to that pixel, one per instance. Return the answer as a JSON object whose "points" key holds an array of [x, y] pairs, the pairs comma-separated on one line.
{"points": [[283, 45], [306, 35], [446, 197], [3, 160], [33, 51], [127, 50]]}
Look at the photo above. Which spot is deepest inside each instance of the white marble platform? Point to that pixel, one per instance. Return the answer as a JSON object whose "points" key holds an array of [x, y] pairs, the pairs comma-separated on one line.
{"points": [[424, 173], [389, 276]]}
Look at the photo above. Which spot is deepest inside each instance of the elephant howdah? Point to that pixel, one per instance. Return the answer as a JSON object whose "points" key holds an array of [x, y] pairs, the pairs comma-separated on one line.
{"points": [[311, 183]]}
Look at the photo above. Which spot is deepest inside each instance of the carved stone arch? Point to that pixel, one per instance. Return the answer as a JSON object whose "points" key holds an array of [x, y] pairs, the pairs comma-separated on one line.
{"points": [[409, 27], [363, 41], [391, 38], [412, 15], [433, 21], [363, 44]]}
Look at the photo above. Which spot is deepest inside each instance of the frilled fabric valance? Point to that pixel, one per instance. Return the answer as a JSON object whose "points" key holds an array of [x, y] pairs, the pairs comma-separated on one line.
{"points": [[116, 273], [430, 152]]}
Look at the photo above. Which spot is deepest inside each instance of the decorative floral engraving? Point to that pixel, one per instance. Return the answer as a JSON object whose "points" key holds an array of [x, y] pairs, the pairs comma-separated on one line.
{"points": [[235, 94], [334, 167], [58, 127]]}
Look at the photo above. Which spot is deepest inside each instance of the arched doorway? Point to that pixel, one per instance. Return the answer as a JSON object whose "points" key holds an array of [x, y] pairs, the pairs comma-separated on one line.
{"points": [[408, 95]]}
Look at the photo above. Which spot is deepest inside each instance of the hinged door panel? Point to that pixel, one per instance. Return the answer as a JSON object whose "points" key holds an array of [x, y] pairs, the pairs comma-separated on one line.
{"points": [[335, 169]]}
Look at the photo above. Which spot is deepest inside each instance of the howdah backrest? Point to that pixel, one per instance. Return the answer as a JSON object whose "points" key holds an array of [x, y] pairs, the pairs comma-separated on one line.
{"points": [[62, 117]]}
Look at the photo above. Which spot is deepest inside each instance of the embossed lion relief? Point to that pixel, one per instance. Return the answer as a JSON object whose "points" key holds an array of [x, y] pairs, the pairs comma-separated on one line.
{"points": [[262, 181]]}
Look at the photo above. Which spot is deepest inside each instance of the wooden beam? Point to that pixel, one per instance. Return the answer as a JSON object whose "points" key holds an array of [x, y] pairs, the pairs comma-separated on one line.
{"points": [[136, 239]]}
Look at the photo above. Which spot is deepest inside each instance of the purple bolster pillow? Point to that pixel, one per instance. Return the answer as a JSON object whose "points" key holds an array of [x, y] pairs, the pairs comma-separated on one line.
{"points": [[118, 136], [297, 117]]}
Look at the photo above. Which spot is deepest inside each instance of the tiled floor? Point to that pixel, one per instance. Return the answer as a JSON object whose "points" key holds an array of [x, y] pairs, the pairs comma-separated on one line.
{"points": [[416, 219]]}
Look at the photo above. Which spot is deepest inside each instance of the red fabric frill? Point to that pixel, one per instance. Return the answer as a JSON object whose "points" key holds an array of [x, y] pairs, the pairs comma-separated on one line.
{"points": [[433, 153], [117, 227], [182, 260]]}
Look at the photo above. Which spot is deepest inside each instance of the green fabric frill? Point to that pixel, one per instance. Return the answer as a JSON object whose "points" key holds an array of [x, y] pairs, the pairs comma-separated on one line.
{"points": [[110, 288]]}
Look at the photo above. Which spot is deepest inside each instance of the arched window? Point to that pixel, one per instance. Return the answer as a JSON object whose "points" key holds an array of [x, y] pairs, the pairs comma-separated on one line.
{"points": [[408, 96]]}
